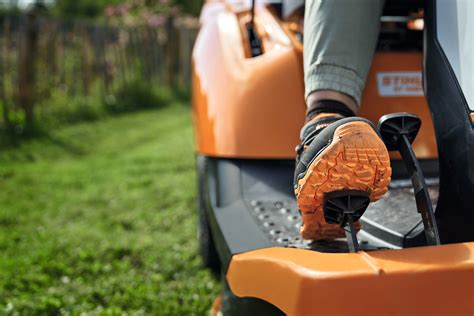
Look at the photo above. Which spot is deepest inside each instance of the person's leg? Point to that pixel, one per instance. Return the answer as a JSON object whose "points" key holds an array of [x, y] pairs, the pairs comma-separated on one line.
{"points": [[339, 43], [337, 151]]}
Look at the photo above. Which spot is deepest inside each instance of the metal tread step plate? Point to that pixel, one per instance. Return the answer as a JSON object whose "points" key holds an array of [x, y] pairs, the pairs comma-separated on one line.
{"points": [[281, 220], [266, 189]]}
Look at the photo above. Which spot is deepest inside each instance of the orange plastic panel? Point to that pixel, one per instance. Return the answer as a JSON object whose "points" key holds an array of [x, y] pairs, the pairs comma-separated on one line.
{"points": [[374, 106], [254, 107], [245, 107], [417, 281]]}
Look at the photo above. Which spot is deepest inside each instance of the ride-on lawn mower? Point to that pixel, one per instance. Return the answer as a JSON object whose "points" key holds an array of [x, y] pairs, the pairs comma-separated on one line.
{"points": [[415, 252]]}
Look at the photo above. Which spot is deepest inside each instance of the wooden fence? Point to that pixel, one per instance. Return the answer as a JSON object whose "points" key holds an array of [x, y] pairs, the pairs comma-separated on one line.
{"points": [[41, 56]]}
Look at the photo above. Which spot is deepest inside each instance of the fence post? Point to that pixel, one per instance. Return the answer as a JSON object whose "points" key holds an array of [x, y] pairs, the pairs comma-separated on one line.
{"points": [[172, 52], [28, 52], [3, 76], [86, 59]]}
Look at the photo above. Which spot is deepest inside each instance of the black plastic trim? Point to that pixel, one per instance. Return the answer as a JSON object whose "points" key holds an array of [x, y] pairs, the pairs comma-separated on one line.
{"points": [[455, 138], [234, 228]]}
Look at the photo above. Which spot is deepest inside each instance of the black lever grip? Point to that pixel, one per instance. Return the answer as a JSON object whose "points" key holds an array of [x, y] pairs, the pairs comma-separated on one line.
{"points": [[398, 131]]}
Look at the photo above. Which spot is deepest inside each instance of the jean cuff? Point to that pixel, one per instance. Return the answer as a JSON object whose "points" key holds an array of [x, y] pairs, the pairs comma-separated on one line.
{"points": [[333, 77]]}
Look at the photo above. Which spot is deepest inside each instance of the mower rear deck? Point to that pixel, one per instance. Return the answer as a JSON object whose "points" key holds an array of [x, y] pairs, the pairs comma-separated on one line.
{"points": [[255, 227]]}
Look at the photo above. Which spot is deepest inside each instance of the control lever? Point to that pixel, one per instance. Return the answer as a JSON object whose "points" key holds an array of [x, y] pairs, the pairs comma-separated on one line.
{"points": [[254, 40], [344, 208], [398, 131]]}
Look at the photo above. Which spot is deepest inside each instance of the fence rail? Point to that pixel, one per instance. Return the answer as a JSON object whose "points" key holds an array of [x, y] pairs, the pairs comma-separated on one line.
{"points": [[43, 57]]}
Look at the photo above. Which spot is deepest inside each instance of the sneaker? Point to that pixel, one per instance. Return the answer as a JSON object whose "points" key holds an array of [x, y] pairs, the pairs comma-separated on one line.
{"points": [[337, 153]]}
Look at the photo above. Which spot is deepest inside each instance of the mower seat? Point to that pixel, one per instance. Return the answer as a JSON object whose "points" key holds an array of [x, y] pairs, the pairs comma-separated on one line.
{"points": [[452, 118]]}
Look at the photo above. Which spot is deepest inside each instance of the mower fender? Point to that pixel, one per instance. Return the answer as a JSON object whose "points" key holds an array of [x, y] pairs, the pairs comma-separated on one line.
{"points": [[435, 280]]}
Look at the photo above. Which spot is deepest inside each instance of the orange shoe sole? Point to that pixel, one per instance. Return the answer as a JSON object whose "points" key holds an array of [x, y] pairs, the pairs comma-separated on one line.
{"points": [[356, 159], [216, 307]]}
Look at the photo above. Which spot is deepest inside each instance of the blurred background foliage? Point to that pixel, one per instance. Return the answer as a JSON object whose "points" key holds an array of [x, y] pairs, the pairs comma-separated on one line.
{"points": [[96, 159], [97, 8], [65, 61]]}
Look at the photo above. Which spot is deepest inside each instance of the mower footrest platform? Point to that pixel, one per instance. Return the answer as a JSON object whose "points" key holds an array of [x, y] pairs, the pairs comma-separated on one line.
{"points": [[251, 205]]}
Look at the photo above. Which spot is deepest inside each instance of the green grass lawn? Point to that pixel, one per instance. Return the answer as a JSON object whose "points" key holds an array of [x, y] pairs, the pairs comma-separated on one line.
{"points": [[99, 219]]}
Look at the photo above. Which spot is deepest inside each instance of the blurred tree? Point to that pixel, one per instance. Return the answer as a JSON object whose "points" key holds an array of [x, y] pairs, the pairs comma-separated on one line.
{"points": [[191, 7], [94, 8], [82, 8]]}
